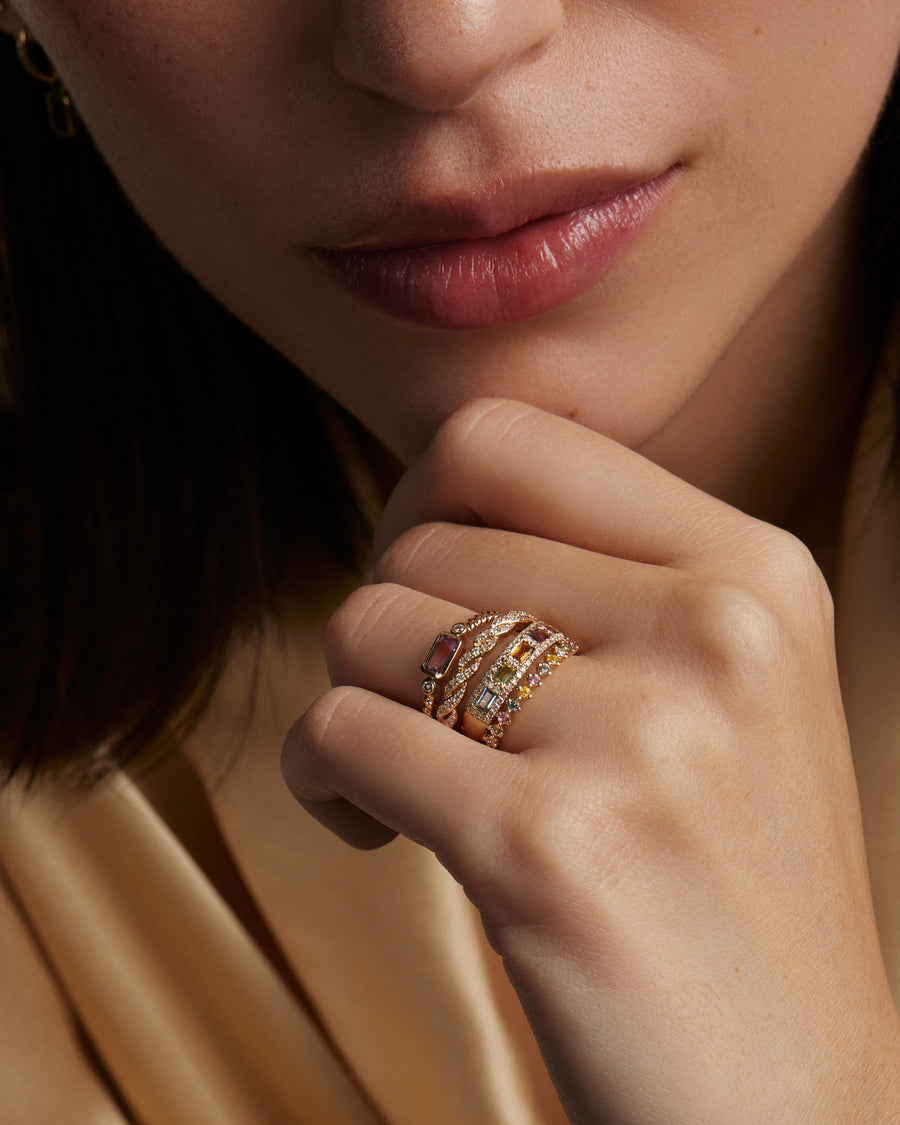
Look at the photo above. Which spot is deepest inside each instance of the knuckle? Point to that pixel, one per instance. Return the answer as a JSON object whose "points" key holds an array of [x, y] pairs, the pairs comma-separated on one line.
{"points": [[787, 568], [632, 808], [346, 618], [322, 727], [670, 753], [538, 830], [727, 629], [312, 728], [354, 621], [662, 727], [461, 434], [411, 551]]}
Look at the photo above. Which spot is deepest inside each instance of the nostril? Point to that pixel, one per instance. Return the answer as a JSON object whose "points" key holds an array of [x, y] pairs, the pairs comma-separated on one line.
{"points": [[436, 56], [419, 82]]}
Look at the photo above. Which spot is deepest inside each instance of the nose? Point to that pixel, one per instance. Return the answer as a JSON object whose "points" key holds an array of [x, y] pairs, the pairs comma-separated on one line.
{"points": [[435, 55]]}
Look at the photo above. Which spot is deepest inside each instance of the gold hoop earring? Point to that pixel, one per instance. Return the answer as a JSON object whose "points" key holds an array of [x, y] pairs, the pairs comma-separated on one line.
{"points": [[60, 108]]}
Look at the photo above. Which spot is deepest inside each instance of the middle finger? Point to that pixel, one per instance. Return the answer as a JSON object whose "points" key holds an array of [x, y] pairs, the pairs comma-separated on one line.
{"points": [[584, 593]]}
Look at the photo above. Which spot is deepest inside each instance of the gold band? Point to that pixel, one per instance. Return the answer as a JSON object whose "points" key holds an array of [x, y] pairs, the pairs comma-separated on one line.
{"points": [[443, 655], [523, 665], [469, 663]]}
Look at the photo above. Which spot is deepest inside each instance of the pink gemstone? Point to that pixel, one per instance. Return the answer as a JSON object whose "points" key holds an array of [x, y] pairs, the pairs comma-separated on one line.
{"points": [[504, 718], [440, 655], [534, 679]]}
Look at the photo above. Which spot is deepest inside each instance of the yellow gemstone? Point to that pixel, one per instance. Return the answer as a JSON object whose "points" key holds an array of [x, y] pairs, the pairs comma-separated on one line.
{"points": [[522, 649], [552, 659], [524, 691]]}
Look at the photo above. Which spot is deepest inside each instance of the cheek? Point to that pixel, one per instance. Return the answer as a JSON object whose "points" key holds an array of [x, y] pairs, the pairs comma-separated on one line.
{"points": [[799, 85], [226, 92], [208, 112], [814, 72], [810, 74], [184, 97]]}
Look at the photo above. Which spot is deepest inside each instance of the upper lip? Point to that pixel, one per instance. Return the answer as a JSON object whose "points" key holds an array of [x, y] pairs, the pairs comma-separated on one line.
{"points": [[493, 210]]}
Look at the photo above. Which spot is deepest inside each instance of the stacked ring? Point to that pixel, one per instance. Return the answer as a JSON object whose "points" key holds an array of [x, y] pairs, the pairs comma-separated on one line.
{"points": [[470, 661], [528, 659], [443, 655], [522, 666]]}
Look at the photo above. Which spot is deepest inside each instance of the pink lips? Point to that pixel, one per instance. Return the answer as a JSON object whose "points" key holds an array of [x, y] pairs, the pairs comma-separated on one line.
{"points": [[486, 263]]}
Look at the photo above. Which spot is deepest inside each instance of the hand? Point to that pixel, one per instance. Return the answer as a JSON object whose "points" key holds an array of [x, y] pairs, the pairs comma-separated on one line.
{"points": [[670, 858]]}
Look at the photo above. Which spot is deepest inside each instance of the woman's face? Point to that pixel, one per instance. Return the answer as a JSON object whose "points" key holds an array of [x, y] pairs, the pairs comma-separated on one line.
{"points": [[251, 136]]}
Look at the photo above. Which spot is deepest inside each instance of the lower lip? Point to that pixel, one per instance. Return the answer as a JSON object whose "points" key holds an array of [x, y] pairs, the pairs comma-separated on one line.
{"points": [[487, 282]]}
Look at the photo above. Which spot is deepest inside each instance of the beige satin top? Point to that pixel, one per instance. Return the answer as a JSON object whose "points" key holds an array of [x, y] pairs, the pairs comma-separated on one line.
{"points": [[193, 949], [201, 952]]}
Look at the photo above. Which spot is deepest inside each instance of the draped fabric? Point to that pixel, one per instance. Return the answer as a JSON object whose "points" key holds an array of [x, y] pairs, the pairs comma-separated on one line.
{"points": [[125, 976], [229, 962], [190, 947]]}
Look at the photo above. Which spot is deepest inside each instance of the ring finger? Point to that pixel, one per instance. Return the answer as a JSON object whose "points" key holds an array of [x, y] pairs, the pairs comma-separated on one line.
{"points": [[378, 639]]}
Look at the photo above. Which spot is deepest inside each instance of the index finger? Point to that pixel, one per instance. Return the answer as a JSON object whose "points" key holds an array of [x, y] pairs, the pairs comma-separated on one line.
{"points": [[512, 466]]}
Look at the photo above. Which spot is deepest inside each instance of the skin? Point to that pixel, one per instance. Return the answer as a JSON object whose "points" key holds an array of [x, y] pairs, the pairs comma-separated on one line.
{"points": [[208, 113], [671, 861]]}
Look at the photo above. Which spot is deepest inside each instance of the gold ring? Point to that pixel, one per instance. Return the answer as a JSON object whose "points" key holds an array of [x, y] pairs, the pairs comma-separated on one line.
{"points": [[442, 656], [528, 659], [470, 661]]}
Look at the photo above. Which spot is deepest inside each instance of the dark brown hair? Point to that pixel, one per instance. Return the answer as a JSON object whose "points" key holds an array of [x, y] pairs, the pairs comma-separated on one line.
{"points": [[163, 474]]}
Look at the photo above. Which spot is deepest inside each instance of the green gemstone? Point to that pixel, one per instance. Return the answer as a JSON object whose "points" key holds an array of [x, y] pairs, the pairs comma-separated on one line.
{"points": [[504, 673]]}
